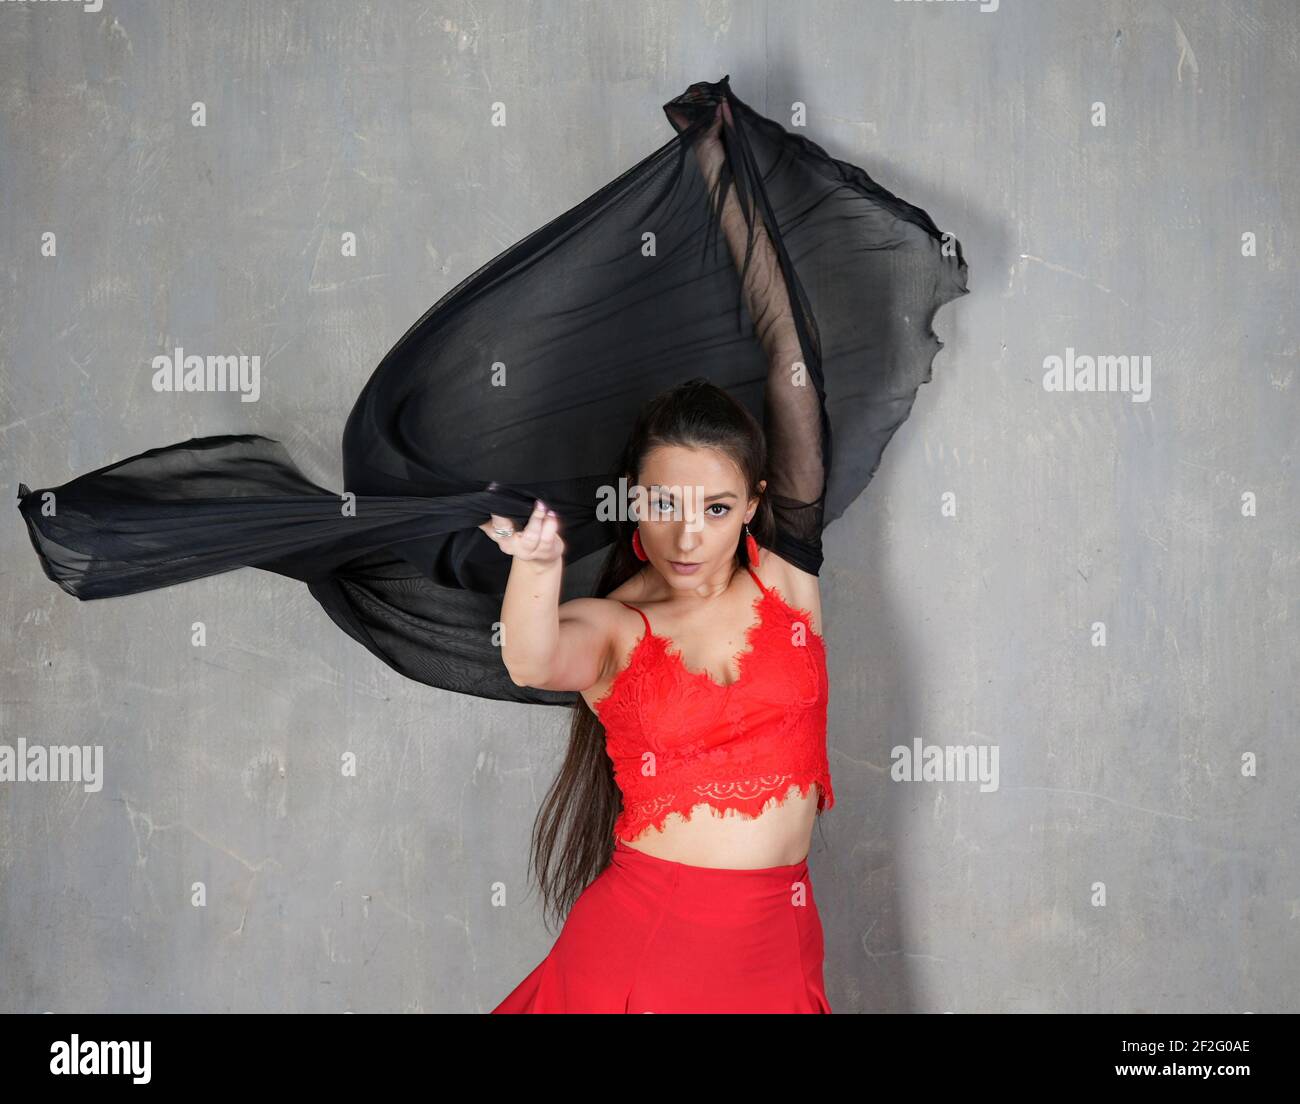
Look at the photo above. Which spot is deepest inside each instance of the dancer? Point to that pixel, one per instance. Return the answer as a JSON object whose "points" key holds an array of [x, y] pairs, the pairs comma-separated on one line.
{"points": [[694, 913]]}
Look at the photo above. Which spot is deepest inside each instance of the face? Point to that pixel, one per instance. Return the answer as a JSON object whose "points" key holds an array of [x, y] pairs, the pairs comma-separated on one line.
{"points": [[702, 509]]}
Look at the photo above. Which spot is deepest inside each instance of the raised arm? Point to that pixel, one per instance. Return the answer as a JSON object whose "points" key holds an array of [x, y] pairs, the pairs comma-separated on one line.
{"points": [[795, 421]]}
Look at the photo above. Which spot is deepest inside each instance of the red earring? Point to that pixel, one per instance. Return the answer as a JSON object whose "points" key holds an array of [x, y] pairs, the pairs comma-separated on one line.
{"points": [[636, 545], [751, 546]]}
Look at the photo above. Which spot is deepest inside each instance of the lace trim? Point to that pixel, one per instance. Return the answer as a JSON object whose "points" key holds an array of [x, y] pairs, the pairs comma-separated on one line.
{"points": [[745, 798]]}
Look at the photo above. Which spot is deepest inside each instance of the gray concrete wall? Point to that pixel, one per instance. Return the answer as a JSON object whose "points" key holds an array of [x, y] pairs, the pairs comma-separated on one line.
{"points": [[1127, 860]]}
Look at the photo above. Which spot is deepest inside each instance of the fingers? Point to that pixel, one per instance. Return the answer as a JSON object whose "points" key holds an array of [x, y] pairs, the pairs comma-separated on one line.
{"points": [[536, 540], [499, 528], [540, 530], [527, 539]]}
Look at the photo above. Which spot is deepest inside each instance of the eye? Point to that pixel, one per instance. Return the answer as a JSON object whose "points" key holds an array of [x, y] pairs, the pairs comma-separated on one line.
{"points": [[721, 506]]}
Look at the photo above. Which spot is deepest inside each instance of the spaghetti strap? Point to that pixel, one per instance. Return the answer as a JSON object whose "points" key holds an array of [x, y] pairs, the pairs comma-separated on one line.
{"points": [[648, 630], [756, 578]]}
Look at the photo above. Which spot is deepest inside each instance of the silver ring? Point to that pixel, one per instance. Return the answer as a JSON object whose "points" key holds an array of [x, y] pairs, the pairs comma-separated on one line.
{"points": [[502, 532]]}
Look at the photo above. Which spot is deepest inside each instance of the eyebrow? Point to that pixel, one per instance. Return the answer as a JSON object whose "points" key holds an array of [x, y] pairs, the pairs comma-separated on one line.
{"points": [[711, 498]]}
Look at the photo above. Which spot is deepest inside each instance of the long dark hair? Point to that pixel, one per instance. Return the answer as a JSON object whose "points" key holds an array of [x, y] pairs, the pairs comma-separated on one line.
{"points": [[573, 833]]}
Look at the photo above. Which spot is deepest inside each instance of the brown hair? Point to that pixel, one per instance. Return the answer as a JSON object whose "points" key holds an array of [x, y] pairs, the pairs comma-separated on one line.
{"points": [[573, 833]]}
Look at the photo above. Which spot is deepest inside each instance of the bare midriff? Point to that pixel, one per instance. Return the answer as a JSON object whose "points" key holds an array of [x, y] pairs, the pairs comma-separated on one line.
{"points": [[779, 836]]}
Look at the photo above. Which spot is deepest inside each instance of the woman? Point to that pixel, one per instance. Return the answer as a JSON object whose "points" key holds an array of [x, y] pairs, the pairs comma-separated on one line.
{"points": [[723, 700], [696, 912]]}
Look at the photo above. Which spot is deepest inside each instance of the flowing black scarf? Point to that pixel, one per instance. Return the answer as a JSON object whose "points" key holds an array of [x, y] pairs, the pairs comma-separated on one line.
{"points": [[523, 382]]}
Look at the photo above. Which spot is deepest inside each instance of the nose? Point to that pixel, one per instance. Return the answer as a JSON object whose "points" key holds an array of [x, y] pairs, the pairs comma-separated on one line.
{"points": [[688, 539]]}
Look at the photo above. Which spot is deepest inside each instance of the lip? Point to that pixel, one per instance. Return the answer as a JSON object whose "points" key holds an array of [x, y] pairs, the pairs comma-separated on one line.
{"points": [[684, 568]]}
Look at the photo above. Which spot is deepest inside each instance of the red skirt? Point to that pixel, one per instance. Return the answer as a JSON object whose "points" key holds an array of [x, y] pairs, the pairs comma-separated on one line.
{"points": [[650, 935]]}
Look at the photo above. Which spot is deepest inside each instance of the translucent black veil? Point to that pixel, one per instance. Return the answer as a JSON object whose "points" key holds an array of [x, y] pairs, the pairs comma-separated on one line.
{"points": [[523, 382]]}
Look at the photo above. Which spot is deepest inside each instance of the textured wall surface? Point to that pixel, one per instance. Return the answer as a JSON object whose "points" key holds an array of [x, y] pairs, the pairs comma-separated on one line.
{"points": [[1100, 585]]}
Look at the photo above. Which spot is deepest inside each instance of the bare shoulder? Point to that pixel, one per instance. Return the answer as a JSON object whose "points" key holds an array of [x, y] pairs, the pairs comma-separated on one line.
{"points": [[605, 626], [614, 630], [799, 589]]}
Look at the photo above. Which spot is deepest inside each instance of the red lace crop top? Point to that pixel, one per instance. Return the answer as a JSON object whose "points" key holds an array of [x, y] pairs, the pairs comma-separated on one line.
{"points": [[678, 739]]}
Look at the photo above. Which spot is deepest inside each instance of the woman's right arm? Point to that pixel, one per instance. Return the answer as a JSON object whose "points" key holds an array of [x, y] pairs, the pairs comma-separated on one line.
{"points": [[544, 644], [795, 420]]}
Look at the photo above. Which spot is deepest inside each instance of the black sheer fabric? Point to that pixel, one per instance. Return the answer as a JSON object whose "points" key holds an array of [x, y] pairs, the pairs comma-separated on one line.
{"points": [[523, 382]]}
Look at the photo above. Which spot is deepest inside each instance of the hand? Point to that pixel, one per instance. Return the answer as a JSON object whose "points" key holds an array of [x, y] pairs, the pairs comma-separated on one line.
{"points": [[712, 135], [538, 541], [724, 113]]}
